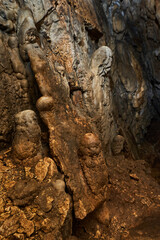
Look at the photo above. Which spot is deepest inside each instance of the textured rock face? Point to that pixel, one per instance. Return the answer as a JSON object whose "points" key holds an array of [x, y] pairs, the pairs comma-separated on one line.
{"points": [[27, 138], [133, 27], [79, 83], [118, 144]]}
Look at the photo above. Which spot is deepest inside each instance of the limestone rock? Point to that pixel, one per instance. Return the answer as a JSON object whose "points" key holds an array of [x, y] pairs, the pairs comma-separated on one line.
{"points": [[59, 185], [90, 145], [57, 206], [103, 215], [63, 127], [93, 165], [45, 168], [19, 236], [5, 64], [118, 144], [23, 192], [2, 204], [158, 11], [27, 142], [101, 61], [80, 71], [9, 226], [41, 170], [39, 9], [118, 22], [27, 225], [45, 103], [17, 63]]}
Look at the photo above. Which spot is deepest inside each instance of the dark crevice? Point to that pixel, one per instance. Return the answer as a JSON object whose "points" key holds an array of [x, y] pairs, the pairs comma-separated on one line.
{"points": [[39, 23], [93, 33]]}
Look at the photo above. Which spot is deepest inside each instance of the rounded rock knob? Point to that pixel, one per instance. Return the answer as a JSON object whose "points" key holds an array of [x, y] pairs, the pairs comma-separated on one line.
{"points": [[45, 103]]}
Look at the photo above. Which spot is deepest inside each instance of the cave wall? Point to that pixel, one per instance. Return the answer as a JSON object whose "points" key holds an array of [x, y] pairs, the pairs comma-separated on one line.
{"points": [[68, 36], [69, 33], [79, 83], [133, 27]]}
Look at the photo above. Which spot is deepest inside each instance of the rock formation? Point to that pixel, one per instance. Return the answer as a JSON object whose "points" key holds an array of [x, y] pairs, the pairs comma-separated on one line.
{"points": [[79, 130]]}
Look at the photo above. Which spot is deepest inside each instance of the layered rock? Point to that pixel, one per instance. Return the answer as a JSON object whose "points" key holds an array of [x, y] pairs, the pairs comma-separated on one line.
{"points": [[63, 121], [133, 27], [79, 84]]}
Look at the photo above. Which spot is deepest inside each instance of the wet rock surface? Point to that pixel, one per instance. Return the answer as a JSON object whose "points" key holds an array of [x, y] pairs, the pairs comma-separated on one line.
{"points": [[79, 84]]}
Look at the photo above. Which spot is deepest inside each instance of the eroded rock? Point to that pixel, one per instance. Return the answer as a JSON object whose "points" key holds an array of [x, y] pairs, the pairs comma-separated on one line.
{"points": [[45, 168], [118, 22], [27, 225], [103, 214], [118, 144], [65, 151], [92, 162], [53, 56], [24, 192], [9, 226], [27, 138]]}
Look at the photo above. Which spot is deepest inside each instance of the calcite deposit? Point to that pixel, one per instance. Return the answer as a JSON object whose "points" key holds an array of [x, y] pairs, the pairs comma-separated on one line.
{"points": [[79, 129], [27, 137]]}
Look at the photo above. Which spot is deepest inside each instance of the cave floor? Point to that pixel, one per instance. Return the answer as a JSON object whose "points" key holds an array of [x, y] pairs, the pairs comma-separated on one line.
{"points": [[147, 230], [133, 204], [133, 201]]}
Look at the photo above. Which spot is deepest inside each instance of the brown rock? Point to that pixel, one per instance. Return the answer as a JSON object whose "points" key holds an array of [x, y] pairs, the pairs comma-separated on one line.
{"points": [[2, 204], [118, 144], [4, 54], [23, 192], [13, 42], [27, 139], [19, 236], [41, 170], [45, 168], [72, 238], [17, 63], [27, 225], [46, 225], [46, 198], [9, 226], [45, 103], [62, 46], [103, 214], [52, 236], [64, 151], [118, 22], [55, 206], [52, 170], [92, 162], [90, 145], [134, 176]]}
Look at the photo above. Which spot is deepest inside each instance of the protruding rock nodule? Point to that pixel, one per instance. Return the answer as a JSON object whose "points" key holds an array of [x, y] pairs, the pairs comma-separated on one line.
{"points": [[27, 32], [13, 42], [27, 138], [101, 61], [117, 144], [90, 145], [93, 163], [44, 103], [59, 185]]}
